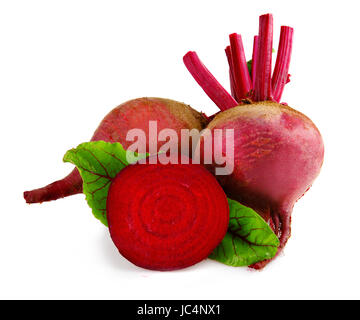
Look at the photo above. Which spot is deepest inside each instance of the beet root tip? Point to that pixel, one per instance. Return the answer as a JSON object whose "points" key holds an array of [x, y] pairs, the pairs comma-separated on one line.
{"points": [[282, 228], [70, 185]]}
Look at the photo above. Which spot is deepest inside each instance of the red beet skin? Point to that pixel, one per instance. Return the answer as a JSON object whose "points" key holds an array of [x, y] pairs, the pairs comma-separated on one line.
{"points": [[278, 154], [166, 217], [114, 127]]}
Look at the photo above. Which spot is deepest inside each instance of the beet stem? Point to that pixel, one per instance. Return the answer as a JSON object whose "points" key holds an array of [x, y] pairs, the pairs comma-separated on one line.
{"points": [[231, 72], [281, 70], [254, 60], [240, 70], [262, 87], [208, 83]]}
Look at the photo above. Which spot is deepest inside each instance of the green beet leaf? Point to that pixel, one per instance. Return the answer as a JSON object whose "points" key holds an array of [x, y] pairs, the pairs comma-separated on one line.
{"points": [[249, 66], [249, 238], [98, 163]]}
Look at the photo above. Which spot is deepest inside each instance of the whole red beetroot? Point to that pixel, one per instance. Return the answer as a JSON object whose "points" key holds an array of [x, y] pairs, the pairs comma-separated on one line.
{"points": [[114, 127], [278, 151]]}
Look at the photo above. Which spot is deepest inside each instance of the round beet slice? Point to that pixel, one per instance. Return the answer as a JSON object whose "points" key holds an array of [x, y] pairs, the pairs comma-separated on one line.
{"points": [[166, 217]]}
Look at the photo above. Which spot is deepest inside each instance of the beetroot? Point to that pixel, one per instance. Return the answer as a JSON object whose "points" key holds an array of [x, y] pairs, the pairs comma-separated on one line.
{"points": [[166, 217], [278, 151], [114, 127]]}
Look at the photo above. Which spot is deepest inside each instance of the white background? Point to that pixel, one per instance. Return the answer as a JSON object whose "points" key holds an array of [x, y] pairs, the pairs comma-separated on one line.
{"points": [[65, 64]]}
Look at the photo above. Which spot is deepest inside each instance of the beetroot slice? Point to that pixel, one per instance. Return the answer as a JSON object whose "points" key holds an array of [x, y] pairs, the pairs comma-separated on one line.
{"points": [[166, 217]]}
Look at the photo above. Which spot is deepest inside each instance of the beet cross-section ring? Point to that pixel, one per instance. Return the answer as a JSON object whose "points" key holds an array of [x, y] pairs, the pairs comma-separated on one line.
{"points": [[166, 217]]}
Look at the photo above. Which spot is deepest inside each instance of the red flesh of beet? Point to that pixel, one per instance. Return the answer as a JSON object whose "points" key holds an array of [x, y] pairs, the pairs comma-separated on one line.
{"points": [[166, 217], [278, 150], [114, 127]]}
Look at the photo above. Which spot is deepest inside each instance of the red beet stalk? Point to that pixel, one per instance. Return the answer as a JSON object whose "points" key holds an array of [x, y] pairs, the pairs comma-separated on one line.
{"points": [[231, 72], [208, 83], [254, 60], [240, 70], [281, 75], [262, 86]]}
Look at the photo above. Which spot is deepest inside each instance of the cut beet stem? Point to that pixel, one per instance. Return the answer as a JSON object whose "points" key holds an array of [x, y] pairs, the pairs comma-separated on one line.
{"points": [[254, 60], [262, 87], [231, 72], [240, 70], [281, 71], [208, 83]]}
